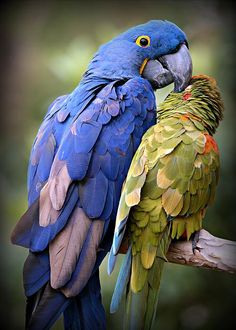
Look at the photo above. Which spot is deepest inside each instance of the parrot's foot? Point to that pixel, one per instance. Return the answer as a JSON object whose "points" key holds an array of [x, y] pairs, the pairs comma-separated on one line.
{"points": [[195, 239]]}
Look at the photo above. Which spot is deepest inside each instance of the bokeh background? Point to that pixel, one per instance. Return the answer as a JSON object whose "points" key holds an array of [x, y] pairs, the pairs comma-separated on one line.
{"points": [[45, 48]]}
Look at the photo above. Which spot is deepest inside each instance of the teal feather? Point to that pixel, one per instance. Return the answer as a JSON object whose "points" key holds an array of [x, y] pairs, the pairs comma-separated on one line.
{"points": [[121, 282]]}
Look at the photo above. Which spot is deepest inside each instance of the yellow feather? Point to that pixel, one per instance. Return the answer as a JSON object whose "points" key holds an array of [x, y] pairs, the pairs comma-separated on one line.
{"points": [[138, 244], [138, 274], [143, 223], [123, 210], [162, 181], [138, 168], [161, 152], [178, 227], [147, 204], [170, 200], [155, 227], [178, 208], [148, 254], [186, 200], [133, 198], [157, 209], [139, 216]]}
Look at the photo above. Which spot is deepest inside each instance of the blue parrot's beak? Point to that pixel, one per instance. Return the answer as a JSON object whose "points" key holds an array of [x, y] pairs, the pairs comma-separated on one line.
{"points": [[175, 67]]}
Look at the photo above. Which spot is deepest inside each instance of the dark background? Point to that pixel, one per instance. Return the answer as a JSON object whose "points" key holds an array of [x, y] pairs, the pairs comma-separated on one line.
{"points": [[45, 48]]}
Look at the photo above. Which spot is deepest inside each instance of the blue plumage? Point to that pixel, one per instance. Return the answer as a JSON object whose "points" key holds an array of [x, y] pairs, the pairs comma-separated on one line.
{"points": [[78, 163]]}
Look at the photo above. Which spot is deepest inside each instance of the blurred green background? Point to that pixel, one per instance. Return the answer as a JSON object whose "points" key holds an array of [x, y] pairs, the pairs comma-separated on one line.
{"points": [[45, 48]]}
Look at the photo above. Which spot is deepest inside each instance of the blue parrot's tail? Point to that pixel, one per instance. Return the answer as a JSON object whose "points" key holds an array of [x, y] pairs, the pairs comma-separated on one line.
{"points": [[86, 311], [44, 308], [83, 312]]}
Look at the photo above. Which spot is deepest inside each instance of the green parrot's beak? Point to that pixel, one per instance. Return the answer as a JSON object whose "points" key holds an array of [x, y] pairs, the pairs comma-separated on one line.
{"points": [[175, 67]]}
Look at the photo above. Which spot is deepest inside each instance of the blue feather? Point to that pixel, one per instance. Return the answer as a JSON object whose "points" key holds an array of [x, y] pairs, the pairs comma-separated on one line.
{"points": [[93, 193], [118, 236], [36, 272], [46, 159], [63, 114], [94, 165], [101, 146], [89, 302], [56, 105], [113, 108], [41, 236], [72, 316], [111, 262], [87, 134], [121, 282], [78, 164], [106, 213], [110, 166], [104, 117], [86, 261], [44, 308]]}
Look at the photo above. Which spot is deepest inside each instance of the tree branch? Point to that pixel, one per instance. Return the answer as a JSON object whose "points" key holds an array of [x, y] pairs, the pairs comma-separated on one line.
{"points": [[211, 252]]}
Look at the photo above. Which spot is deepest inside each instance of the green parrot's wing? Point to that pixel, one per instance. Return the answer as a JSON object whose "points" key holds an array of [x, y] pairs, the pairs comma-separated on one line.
{"points": [[130, 193]]}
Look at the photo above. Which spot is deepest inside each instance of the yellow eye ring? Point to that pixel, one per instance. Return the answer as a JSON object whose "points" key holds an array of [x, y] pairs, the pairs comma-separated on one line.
{"points": [[143, 41]]}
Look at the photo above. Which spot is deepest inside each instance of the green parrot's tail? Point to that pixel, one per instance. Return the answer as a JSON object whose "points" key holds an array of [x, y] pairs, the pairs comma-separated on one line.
{"points": [[141, 306]]}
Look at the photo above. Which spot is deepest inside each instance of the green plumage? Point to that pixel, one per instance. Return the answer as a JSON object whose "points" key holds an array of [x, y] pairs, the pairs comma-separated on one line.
{"points": [[171, 181]]}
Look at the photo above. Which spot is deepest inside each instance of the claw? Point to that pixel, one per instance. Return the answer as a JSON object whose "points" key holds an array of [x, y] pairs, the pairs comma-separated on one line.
{"points": [[195, 239]]}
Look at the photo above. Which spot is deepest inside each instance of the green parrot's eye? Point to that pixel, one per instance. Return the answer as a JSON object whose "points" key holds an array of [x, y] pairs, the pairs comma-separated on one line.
{"points": [[143, 41]]}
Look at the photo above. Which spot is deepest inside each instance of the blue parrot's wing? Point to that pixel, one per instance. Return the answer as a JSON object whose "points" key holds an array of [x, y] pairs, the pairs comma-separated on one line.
{"points": [[58, 119], [89, 164], [43, 150]]}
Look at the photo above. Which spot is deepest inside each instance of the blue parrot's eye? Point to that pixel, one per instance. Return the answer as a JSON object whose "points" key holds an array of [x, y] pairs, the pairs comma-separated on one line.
{"points": [[143, 41]]}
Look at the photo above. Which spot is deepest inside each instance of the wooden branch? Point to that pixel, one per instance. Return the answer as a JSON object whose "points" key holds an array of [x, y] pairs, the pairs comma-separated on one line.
{"points": [[211, 252]]}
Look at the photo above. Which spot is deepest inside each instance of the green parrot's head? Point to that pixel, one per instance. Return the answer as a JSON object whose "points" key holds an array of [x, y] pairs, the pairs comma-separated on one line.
{"points": [[204, 93], [157, 51], [201, 99]]}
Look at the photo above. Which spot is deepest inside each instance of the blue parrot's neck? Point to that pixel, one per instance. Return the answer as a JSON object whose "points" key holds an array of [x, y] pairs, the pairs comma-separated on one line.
{"points": [[91, 82], [85, 92], [112, 66], [102, 70]]}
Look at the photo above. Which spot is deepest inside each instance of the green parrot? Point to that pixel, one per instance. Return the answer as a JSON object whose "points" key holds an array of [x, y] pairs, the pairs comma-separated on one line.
{"points": [[171, 181]]}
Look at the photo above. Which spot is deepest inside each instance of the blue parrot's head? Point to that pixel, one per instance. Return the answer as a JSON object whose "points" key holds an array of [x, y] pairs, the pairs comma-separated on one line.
{"points": [[156, 50]]}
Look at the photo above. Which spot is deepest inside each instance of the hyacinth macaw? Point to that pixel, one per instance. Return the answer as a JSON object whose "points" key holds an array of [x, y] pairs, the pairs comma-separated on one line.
{"points": [[171, 181], [79, 160]]}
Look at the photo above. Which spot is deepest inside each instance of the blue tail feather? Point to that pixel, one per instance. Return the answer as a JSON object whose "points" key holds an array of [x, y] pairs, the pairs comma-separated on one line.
{"points": [[71, 317], [90, 305], [111, 262], [86, 311], [44, 308], [121, 282]]}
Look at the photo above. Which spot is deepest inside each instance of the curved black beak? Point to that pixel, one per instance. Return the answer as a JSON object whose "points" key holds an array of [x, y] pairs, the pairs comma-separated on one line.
{"points": [[175, 67]]}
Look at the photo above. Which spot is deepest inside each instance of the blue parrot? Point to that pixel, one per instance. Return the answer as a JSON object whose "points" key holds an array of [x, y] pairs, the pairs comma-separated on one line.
{"points": [[79, 160]]}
